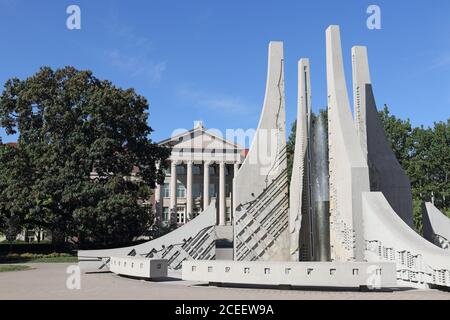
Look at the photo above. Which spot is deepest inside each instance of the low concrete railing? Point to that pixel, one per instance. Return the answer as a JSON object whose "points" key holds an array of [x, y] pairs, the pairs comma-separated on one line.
{"points": [[294, 274], [139, 267]]}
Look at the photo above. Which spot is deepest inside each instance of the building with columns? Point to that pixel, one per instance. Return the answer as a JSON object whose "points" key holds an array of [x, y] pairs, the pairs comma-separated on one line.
{"points": [[201, 172]]}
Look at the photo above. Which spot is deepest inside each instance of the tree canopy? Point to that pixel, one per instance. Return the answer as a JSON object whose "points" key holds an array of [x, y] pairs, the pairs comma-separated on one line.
{"points": [[71, 124], [424, 154]]}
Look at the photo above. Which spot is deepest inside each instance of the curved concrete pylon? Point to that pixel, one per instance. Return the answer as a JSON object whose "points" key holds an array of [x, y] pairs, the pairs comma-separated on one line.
{"points": [[436, 226], [349, 175], [261, 216], [298, 188], [389, 239], [385, 172], [195, 240]]}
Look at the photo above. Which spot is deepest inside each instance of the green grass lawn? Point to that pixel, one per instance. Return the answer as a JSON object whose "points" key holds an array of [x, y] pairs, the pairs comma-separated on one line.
{"points": [[68, 259], [5, 268], [38, 258]]}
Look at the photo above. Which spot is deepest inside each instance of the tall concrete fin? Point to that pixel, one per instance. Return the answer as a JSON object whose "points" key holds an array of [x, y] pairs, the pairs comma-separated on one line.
{"points": [[361, 77], [261, 213], [196, 240], [385, 172], [349, 174], [298, 198], [436, 226], [388, 238]]}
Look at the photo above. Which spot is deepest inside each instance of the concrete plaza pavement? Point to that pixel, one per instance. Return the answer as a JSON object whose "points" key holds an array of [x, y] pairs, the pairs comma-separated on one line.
{"points": [[48, 282]]}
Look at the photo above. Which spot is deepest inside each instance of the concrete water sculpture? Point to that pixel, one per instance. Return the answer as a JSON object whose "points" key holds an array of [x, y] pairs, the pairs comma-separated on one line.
{"points": [[387, 210], [299, 199], [388, 238], [360, 228], [261, 199], [385, 173], [436, 226], [349, 175]]}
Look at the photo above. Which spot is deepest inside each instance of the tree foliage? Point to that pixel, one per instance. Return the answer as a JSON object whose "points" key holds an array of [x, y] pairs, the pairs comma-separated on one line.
{"points": [[70, 124], [425, 156]]}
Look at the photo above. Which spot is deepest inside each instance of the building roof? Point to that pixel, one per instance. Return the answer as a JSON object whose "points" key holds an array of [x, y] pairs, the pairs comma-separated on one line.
{"points": [[11, 144], [200, 144], [198, 130]]}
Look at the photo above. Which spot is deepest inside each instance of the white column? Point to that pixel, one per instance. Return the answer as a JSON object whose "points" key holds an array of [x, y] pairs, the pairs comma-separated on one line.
{"points": [[189, 191], [222, 210], [173, 192], [233, 196], [206, 185], [236, 169], [158, 207]]}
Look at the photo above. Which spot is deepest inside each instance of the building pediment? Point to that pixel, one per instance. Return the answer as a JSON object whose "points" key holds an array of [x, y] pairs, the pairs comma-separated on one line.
{"points": [[200, 138], [200, 144]]}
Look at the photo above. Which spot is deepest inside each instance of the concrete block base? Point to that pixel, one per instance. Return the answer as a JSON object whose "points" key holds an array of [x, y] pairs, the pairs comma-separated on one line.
{"points": [[142, 268], [351, 275]]}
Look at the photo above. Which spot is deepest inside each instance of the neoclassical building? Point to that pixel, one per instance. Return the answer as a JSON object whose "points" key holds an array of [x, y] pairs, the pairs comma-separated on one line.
{"points": [[201, 172]]}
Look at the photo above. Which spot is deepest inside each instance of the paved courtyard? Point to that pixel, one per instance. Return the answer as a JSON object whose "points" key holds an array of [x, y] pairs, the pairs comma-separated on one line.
{"points": [[48, 281]]}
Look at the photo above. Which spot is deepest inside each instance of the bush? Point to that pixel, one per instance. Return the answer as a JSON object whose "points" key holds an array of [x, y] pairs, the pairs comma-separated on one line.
{"points": [[36, 248], [54, 257]]}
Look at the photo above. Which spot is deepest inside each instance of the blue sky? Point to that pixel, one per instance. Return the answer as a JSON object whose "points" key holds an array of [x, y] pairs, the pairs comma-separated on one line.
{"points": [[207, 60]]}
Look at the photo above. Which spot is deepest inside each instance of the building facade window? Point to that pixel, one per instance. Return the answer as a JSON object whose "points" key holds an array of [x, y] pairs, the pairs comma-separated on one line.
{"points": [[181, 190], [212, 190], [212, 170], [196, 190], [227, 190], [165, 215], [228, 214], [181, 215], [196, 170], [181, 170], [196, 212], [166, 190]]}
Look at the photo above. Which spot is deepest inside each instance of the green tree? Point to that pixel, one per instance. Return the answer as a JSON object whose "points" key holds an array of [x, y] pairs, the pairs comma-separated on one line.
{"points": [[14, 191], [424, 154], [70, 125], [399, 133], [430, 164]]}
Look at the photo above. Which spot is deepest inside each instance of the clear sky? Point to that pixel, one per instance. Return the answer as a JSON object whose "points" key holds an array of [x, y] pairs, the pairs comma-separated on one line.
{"points": [[207, 60]]}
